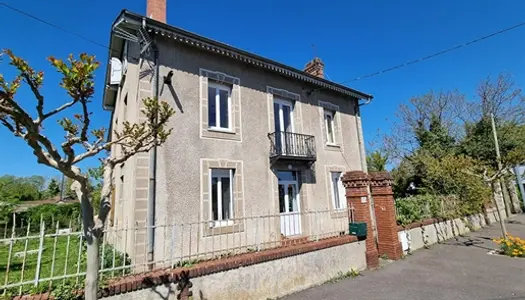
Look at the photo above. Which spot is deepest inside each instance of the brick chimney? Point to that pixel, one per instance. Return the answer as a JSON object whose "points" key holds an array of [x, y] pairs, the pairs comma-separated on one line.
{"points": [[315, 67], [156, 10]]}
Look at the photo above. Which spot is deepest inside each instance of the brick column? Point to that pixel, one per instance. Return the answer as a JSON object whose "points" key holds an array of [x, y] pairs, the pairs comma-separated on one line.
{"points": [[356, 184], [385, 212]]}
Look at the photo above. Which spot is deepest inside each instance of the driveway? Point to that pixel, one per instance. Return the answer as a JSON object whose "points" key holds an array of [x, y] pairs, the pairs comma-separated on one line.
{"points": [[456, 269]]}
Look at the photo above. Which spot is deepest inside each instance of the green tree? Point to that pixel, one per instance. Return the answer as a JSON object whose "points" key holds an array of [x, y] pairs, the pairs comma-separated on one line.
{"points": [[78, 81], [13, 189], [376, 162], [53, 188]]}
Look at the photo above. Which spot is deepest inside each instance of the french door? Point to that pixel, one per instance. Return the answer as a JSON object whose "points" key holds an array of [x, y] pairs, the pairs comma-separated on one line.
{"points": [[283, 116], [289, 204]]}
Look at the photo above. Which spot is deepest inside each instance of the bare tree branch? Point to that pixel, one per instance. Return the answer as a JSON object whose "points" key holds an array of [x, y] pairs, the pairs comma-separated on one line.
{"points": [[57, 110]]}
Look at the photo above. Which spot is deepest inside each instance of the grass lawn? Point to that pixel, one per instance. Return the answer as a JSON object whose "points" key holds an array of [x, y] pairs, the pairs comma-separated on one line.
{"points": [[64, 250], [60, 257]]}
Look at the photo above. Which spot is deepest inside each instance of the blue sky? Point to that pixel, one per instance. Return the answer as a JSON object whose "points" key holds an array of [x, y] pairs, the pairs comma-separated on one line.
{"points": [[353, 38]]}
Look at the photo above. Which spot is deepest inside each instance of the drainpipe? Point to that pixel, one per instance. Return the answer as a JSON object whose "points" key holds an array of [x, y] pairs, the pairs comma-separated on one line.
{"points": [[359, 128], [153, 167], [364, 167]]}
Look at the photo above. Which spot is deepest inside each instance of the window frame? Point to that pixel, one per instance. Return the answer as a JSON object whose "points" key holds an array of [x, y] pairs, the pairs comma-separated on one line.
{"points": [[218, 86], [340, 190], [330, 138], [219, 174]]}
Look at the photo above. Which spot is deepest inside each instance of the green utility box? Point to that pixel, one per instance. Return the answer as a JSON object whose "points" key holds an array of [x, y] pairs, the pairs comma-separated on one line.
{"points": [[358, 229]]}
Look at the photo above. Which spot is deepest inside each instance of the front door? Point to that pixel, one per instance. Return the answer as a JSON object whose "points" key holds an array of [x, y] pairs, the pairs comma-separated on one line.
{"points": [[289, 204], [283, 116]]}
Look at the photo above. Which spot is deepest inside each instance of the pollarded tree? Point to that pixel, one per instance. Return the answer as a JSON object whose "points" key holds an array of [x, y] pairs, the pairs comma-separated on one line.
{"points": [[80, 142]]}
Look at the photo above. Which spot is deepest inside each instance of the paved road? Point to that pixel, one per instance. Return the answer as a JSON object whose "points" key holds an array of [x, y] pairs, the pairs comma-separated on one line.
{"points": [[456, 269]]}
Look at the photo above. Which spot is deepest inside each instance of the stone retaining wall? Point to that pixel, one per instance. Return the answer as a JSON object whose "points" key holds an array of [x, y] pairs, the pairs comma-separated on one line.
{"points": [[425, 233]]}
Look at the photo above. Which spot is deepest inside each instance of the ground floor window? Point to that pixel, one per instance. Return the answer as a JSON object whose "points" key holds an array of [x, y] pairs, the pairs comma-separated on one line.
{"points": [[338, 191], [221, 186]]}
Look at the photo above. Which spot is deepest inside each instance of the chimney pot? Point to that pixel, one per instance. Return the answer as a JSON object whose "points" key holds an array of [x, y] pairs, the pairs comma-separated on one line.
{"points": [[156, 10], [315, 67]]}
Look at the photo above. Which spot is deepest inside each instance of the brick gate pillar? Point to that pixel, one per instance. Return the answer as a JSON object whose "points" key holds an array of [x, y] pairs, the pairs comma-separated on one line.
{"points": [[385, 213], [356, 184]]}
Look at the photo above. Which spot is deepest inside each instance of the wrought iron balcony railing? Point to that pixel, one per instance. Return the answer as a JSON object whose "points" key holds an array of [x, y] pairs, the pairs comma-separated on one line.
{"points": [[292, 146]]}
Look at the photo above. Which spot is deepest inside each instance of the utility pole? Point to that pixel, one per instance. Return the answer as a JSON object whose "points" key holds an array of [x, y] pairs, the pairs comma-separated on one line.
{"points": [[504, 191], [500, 168], [521, 181]]}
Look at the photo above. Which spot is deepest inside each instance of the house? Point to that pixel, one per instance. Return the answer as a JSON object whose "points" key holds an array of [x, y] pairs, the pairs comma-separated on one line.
{"points": [[252, 137]]}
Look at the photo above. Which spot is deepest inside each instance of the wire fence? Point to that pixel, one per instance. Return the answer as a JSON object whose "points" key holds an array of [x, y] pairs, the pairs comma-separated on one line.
{"points": [[36, 260]]}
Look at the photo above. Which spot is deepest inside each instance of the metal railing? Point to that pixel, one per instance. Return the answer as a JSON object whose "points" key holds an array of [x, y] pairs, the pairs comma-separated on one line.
{"points": [[43, 258], [288, 144]]}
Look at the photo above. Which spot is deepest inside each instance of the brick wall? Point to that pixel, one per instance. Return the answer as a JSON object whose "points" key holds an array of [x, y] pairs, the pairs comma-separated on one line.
{"points": [[385, 213], [356, 184]]}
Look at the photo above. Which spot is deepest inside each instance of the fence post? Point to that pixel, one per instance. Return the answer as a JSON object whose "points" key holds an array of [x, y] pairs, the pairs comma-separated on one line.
{"points": [[40, 250], [356, 184], [384, 208]]}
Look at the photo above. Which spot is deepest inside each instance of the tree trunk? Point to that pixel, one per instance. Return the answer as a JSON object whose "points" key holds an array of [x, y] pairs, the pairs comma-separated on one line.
{"points": [[93, 259], [506, 197], [511, 187], [92, 236]]}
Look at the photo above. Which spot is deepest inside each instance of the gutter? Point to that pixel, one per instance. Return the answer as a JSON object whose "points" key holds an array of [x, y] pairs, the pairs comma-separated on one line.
{"points": [[219, 48]]}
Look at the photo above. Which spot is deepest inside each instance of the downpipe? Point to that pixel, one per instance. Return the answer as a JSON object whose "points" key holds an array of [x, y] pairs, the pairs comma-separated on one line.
{"points": [[153, 169]]}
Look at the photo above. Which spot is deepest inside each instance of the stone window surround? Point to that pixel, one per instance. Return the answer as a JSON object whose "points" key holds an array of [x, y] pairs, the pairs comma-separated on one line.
{"points": [[235, 114], [328, 170], [338, 145], [285, 95], [238, 196]]}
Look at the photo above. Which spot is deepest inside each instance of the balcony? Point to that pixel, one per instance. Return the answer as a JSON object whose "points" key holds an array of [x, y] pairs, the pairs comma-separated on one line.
{"points": [[291, 146]]}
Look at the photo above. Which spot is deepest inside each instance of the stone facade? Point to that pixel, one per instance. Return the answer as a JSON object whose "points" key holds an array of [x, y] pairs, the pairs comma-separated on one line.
{"points": [[185, 160]]}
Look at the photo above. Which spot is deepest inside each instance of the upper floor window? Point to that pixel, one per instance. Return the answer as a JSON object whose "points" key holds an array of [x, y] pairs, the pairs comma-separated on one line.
{"points": [[329, 125], [219, 106]]}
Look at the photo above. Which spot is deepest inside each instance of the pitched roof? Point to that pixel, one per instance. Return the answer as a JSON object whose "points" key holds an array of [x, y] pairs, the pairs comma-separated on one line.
{"points": [[130, 22]]}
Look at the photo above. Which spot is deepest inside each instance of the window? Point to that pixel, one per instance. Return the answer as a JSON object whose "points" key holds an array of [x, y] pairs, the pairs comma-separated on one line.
{"points": [[338, 191], [329, 124], [219, 106], [221, 181]]}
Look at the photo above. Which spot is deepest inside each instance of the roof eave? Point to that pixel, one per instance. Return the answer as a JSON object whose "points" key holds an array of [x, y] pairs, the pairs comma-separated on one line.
{"points": [[235, 53], [109, 96]]}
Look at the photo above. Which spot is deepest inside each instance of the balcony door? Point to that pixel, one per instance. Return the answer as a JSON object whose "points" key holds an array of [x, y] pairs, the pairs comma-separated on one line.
{"points": [[289, 204], [283, 116]]}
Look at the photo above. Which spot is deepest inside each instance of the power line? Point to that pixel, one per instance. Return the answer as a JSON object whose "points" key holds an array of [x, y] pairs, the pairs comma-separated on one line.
{"points": [[54, 26], [343, 82], [433, 55]]}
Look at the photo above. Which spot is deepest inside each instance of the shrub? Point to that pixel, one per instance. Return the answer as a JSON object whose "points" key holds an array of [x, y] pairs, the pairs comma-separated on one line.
{"points": [[416, 208], [420, 207], [511, 246], [51, 214]]}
